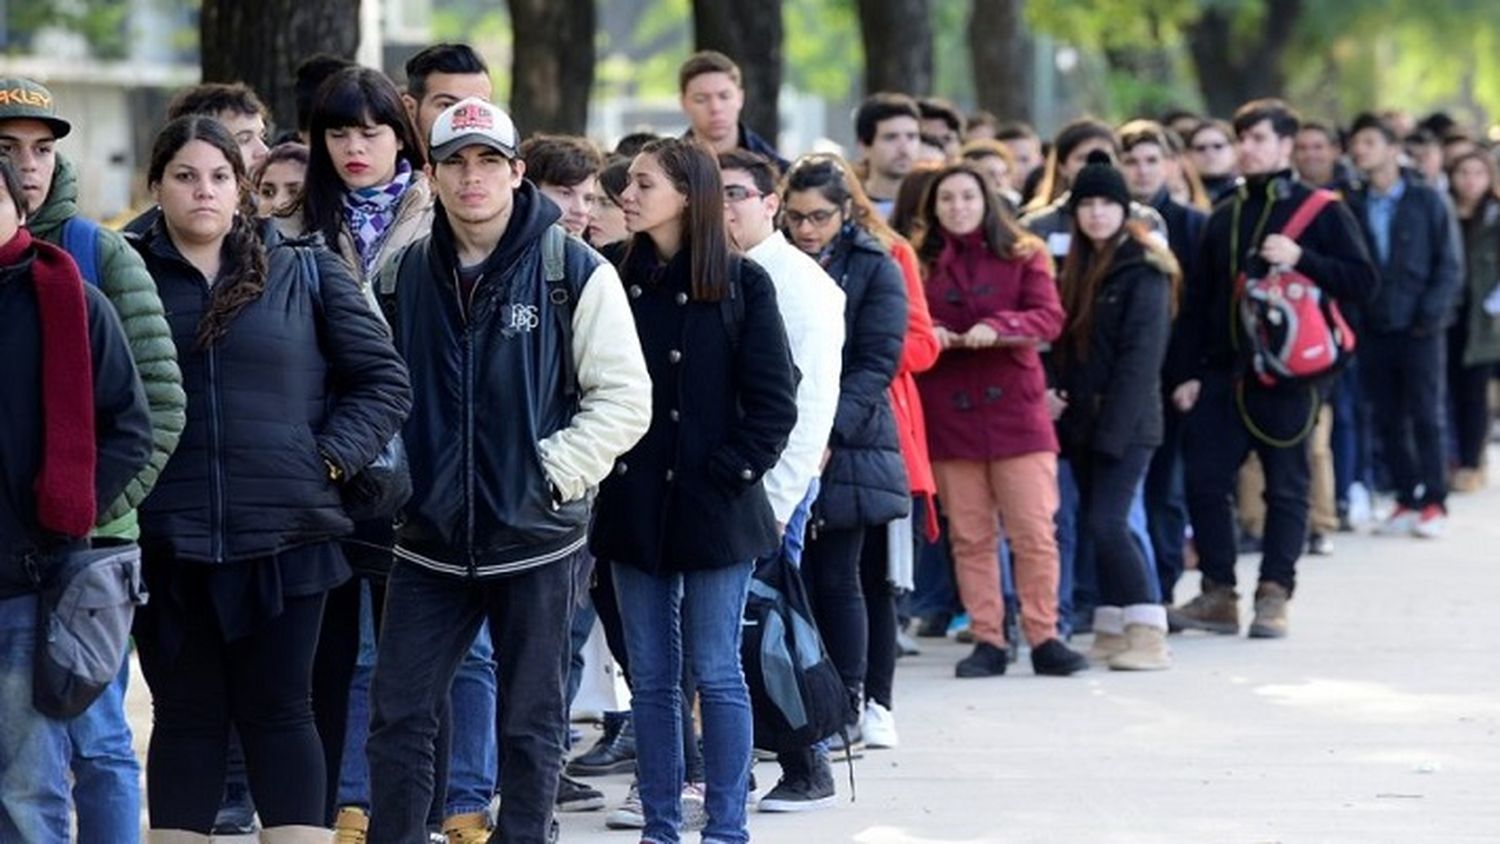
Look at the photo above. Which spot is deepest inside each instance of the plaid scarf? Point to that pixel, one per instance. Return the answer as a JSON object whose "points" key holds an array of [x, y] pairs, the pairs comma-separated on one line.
{"points": [[369, 213]]}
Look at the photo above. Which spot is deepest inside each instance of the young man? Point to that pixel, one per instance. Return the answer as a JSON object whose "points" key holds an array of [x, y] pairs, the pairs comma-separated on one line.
{"points": [[944, 123], [311, 74], [712, 98], [812, 308], [889, 130], [106, 774], [1411, 232], [1026, 146], [71, 447], [1316, 156], [1146, 158], [440, 76], [1425, 154], [566, 170], [1212, 374], [498, 519]]}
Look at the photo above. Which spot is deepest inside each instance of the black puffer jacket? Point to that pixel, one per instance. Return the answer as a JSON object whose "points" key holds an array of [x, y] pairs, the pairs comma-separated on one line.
{"points": [[1114, 393], [281, 392], [864, 483]]}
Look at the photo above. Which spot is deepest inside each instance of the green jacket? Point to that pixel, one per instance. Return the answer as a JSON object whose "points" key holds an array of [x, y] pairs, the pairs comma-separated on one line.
{"points": [[1481, 275], [123, 278]]}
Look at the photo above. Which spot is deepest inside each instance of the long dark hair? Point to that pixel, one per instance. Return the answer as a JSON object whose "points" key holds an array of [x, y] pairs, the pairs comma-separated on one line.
{"points": [[1004, 237], [244, 277], [353, 97], [906, 212], [1084, 271], [1069, 138], [831, 176], [694, 173]]}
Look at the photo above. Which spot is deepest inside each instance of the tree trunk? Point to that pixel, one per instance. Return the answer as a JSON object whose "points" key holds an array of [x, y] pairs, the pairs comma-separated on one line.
{"points": [[1234, 67], [898, 46], [552, 73], [1001, 53], [261, 44], [751, 34]]}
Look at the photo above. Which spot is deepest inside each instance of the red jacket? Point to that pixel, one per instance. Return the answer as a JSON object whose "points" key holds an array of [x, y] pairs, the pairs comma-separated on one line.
{"points": [[918, 354], [989, 404]]}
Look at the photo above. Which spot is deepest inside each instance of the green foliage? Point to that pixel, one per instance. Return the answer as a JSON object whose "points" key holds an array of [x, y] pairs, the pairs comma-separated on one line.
{"points": [[100, 22]]}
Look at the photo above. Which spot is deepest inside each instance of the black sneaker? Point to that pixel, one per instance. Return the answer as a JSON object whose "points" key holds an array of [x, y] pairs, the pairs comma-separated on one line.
{"points": [[986, 661], [1054, 659], [614, 753], [574, 796], [802, 791], [934, 626], [1319, 545]]}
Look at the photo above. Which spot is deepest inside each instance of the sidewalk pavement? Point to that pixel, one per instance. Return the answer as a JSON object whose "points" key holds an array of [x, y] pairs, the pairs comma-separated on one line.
{"points": [[1377, 720]]}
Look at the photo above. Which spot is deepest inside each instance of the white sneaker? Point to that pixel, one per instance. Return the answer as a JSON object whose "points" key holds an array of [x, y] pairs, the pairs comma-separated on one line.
{"points": [[879, 727], [1431, 524], [1361, 508], [1402, 522]]}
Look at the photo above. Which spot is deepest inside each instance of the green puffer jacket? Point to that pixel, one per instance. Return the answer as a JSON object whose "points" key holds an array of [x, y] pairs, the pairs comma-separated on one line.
{"points": [[1481, 276], [123, 278]]}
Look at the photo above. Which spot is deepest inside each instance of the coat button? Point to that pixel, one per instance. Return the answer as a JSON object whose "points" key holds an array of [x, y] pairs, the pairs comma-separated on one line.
{"points": [[670, 475], [674, 356], [993, 393], [620, 467], [682, 298], [635, 291], [675, 416], [746, 475]]}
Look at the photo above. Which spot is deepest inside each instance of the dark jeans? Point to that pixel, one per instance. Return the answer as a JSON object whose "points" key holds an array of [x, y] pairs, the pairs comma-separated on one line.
{"points": [[333, 672], [1215, 444], [1405, 377], [262, 684], [935, 591], [430, 621], [830, 569], [1106, 488], [1166, 504], [1469, 388], [880, 605]]}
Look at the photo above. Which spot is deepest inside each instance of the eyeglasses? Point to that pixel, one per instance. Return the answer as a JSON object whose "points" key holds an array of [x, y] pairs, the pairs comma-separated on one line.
{"points": [[817, 218], [739, 193], [1214, 146]]}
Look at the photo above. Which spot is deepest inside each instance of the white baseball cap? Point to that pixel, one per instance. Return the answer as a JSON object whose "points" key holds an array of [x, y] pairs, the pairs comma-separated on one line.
{"points": [[473, 121]]}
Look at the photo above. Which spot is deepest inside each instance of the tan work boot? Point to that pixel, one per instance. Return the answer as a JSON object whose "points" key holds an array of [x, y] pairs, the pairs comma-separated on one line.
{"points": [[1145, 640], [1467, 480], [351, 826], [1216, 609], [1109, 633], [1270, 611], [468, 828], [296, 835]]}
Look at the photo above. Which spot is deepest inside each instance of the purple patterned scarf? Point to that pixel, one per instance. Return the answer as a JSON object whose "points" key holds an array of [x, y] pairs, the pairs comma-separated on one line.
{"points": [[369, 212]]}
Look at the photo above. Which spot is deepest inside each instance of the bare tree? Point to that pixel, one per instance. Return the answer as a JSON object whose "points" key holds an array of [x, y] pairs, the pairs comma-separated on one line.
{"points": [[1001, 53], [897, 36], [751, 34], [552, 73], [262, 43]]}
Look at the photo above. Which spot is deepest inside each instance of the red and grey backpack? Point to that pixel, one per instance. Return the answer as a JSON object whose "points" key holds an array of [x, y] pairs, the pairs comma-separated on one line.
{"points": [[1294, 329]]}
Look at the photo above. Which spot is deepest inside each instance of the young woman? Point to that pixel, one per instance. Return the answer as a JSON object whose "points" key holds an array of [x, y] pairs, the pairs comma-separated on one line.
{"points": [[1118, 290], [993, 448], [1474, 338], [684, 515], [1070, 151], [607, 223], [277, 182], [1211, 152], [864, 484], [240, 536]]}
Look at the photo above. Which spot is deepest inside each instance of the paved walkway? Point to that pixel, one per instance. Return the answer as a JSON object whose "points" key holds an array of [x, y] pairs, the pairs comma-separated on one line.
{"points": [[1378, 720]]}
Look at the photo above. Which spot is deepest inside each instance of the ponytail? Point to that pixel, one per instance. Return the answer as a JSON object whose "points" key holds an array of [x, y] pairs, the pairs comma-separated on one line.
{"points": [[243, 283]]}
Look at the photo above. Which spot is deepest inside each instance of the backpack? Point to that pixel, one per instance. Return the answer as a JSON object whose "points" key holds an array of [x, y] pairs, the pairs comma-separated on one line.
{"points": [[1295, 331], [86, 604], [80, 239], [796, 694]]}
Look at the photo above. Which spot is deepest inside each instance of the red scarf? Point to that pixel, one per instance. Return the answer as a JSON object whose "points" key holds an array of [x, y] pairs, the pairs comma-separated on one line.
{"points": [[65, 483]]}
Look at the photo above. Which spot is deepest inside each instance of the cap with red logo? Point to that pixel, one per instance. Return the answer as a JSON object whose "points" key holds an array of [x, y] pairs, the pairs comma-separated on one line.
{"points": [[473, 121]]}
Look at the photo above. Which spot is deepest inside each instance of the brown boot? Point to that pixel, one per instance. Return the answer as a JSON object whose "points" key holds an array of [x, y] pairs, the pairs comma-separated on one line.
{"points": [[1270, 611], [471, 828], [1216, 610], [1467, 480], [351, 826]]}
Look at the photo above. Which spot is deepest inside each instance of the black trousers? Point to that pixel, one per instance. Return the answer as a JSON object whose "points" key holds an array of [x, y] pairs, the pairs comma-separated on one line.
{"points": [[1469, 388], [1106, 488], [880, 609], [831, 572], [262, 684], [1216, 441], [1405, 377]]}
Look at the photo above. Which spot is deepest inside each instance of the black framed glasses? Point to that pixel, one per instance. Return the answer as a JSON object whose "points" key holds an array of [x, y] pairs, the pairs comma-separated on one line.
{"points": [[817, 218]]}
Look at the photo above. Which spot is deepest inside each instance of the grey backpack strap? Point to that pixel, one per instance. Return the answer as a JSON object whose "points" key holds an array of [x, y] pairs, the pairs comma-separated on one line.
{"points": [[554, 254], [560, 300]]}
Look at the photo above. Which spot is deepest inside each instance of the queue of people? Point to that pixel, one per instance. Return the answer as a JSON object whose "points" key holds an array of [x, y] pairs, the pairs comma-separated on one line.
{"points": [[966, 383]]}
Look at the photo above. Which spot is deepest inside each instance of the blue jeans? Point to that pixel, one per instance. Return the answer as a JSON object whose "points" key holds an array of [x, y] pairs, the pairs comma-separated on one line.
{"points": [[106, 774], [473, 766], [34, 804], [354, 775], [660, 613]]}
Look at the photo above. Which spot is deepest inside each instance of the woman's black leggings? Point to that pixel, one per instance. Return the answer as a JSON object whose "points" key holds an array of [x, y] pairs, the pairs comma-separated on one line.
{"points": [[263, 685], [1106, 487], [1469, 387], [333, 671], [880, 606], [831, 572]]}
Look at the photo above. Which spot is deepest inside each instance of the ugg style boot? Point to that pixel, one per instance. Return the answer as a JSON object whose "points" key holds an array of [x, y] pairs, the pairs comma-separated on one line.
{"points": [[351, 826], [1109, 633], [296, 835], [1216, 610], [1145, 640], [1270, 611]]}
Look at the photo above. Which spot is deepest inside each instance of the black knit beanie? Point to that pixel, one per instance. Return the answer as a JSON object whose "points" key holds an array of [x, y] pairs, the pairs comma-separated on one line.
{"points": [[1098, 178]]}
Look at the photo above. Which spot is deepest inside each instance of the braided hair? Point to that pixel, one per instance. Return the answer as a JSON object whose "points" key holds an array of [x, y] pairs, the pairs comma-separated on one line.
{"points": [[243, 279]]}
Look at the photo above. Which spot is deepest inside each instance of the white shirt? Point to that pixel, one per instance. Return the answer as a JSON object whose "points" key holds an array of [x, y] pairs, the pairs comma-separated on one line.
{"points": [[812, 308]]}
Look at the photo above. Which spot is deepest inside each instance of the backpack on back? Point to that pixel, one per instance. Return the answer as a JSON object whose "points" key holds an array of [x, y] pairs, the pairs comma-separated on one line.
{"points": [[1295, 331], [80, 239]]}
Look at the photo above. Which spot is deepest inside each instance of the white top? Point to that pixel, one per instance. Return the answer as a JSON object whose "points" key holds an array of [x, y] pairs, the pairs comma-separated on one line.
{"points": [[812, 308]]}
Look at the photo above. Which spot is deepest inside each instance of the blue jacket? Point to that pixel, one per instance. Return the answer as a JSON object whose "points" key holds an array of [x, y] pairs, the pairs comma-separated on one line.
{"points": [[306, 373], [1420, 283]]}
